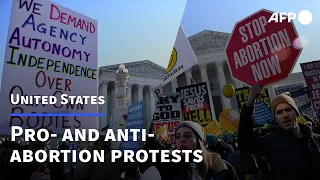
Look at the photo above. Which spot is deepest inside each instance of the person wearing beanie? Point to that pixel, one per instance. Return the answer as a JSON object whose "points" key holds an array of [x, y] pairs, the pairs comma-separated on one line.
{"points": [[190, 136], [292, 149], [211, 140]]}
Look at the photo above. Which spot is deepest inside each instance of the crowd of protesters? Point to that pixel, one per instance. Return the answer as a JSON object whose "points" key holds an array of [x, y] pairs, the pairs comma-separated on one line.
{"points": [[285, 150]]}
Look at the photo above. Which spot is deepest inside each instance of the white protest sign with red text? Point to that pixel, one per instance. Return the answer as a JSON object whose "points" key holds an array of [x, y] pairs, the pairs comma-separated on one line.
{"points": [[263, 53], [168, 112], [51, 50], [171, 128]]}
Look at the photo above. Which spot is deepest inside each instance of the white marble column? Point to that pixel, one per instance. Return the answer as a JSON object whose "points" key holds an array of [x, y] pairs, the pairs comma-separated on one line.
{"points": [[174, 84], [271, 91], [104, 107], [140, 92], [147, 108], [204, 78], [152, 100], [188, 76], [112, 99], [129, 91], [115, 94], [222, 81]]}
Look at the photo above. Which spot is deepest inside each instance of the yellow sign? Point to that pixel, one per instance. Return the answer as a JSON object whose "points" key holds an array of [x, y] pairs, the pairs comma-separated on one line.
{"points": [[213, 128], [242, 95], [163, 133], [229, 119], [173, 60]]}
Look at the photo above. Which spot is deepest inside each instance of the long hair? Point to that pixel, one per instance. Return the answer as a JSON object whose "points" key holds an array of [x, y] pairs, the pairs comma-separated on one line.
{"points": [[210, 159]]}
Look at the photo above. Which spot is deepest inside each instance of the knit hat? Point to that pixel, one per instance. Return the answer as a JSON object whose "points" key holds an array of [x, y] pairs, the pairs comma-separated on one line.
{"points": [[211, 139], [283, 98], [226, 137], [194, 126]]}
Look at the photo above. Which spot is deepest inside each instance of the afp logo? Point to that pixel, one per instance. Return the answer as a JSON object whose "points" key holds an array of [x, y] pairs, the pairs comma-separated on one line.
{"points": [[304, 17]]}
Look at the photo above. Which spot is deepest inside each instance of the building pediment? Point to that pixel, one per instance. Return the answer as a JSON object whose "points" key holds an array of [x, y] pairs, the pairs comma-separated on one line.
{"points": [[145, 68], [208, 40]]}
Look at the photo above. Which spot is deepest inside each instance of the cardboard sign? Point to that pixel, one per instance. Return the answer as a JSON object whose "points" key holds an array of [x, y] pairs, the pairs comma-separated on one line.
{"points": [[229, 119], [51, 50], [213, 128]]}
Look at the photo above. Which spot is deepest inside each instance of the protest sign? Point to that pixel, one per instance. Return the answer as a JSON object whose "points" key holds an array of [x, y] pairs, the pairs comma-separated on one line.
{"points": [[213, 128], [288, 88], [51, 50], [168, 112], [195, 104], [162, 133], [311, 73], [242, 95], [171, 128], [157, 91], [262, 113], [302, 99], [134, 121], [229, 119], [262, 52], [168, 108]]}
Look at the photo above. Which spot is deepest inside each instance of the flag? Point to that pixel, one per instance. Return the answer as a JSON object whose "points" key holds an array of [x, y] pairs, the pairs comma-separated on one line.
{"points": [[182, 57]]}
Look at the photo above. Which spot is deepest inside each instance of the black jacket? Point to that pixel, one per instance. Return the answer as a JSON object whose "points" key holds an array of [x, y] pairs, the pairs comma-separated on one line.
{"points": [[289, 157]]}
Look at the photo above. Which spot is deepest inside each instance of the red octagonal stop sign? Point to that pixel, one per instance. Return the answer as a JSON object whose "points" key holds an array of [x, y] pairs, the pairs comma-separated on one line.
{"points": [[262, 52]]}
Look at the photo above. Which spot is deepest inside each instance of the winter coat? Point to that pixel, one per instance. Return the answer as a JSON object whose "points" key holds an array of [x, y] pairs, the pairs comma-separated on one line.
{"points": [[289, 157]]}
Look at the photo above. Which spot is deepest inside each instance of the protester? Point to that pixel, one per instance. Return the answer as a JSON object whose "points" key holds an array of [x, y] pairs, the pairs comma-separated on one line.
{"points": [[230, 143], [292, 149], [211, 141], [57, 168], [106, 170], [32, 169], [190, 136], [222, 148], [101, 170], [245, 164]]}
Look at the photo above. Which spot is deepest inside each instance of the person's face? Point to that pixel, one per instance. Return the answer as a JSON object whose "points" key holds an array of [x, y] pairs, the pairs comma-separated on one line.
{"points": [[186, 139], [286, 116]]}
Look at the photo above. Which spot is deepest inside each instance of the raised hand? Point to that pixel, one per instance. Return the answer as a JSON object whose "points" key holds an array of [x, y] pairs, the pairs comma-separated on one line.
{"points": [[255, 93]]}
